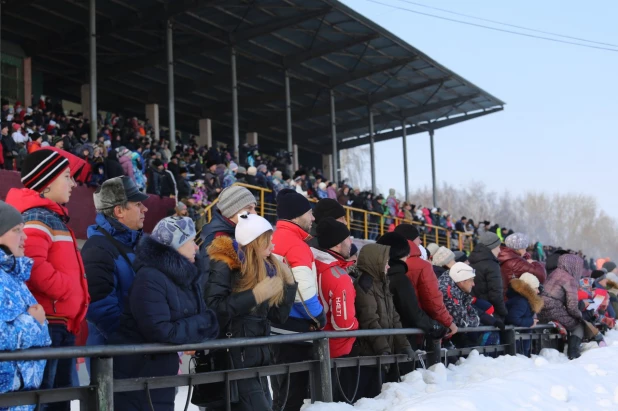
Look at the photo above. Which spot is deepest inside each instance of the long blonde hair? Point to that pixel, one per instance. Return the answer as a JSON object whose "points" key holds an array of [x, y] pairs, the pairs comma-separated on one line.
{"points": [[254, 267]]}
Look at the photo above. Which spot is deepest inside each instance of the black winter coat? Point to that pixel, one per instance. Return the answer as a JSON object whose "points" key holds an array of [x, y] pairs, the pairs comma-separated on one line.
{"points": [[112, 166], [165, 305], [406, 302], [488, 280], [241, 317]]}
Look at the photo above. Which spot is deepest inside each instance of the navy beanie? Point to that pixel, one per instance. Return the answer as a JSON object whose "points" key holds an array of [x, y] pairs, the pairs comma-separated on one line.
{"points": [[327, 207], [291, 205]]}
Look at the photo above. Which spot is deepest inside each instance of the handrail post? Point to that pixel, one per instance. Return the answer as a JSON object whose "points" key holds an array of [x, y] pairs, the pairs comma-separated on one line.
{"points": [[433, 357], [322, 379], [507, 337], [366, 226], [262, 203], [448, 240], [347, 216], [102, 376], [461, 240]]}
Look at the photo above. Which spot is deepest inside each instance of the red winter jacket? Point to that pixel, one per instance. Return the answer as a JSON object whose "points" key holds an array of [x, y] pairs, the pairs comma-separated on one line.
{"points": [[58, 280], [337, 294], [512, 265], [290, 244], [425, 282]]}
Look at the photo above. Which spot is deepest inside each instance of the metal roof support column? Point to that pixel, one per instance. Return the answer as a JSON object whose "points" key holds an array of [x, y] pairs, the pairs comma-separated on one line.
{"points": [[433, 170], [333, 131], [372, 152], [235, 103], [405, 158], [92, 12], [288, 118], [170, 85]]}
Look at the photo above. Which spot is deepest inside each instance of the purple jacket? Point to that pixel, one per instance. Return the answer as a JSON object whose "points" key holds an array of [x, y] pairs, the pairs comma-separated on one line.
{"points": [[127, 166], [560, 294]]}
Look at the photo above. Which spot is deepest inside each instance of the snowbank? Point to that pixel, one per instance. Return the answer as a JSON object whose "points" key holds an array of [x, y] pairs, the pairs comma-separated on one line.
{"points": [[548, 381]]}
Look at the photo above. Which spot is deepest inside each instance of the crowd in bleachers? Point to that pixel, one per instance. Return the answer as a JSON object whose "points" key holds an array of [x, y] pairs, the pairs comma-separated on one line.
{"points": [[247, 278]]}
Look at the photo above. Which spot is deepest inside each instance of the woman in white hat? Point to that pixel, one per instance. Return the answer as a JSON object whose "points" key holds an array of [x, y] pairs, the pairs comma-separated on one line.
{"points": [[248, 288]]}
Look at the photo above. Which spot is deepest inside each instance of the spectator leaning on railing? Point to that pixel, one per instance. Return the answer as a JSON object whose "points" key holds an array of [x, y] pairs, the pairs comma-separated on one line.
{"points": [[165, 305], [23, 324], [295, 218], [247, 288], [109, 253]]}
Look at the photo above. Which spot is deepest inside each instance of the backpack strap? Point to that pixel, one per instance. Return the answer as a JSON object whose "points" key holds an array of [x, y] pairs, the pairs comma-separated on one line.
{"points": [[116, 244]]}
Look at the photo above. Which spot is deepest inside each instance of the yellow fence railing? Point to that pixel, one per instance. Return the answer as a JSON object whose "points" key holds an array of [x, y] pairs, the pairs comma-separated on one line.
{"points": [[363, 224]]}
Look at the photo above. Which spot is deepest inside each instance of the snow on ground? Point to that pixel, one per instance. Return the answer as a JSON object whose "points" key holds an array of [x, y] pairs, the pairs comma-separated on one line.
{"points": [[548, 381]]}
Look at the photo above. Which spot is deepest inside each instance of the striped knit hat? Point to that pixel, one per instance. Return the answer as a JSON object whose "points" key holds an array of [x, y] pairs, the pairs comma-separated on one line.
{"points": [[41, 167]]}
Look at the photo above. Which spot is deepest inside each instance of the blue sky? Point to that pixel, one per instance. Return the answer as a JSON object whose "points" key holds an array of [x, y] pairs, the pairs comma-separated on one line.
{"points": [[557, 132]]}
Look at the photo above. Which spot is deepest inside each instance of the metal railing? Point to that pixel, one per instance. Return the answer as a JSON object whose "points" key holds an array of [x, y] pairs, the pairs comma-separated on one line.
{"points": [[363, 224], [99, 395]]}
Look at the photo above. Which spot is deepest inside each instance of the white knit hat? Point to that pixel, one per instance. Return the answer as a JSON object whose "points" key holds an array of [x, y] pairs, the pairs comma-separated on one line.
{"points": [[530, 279], [461, 272], [443, 256], [250, 227]]}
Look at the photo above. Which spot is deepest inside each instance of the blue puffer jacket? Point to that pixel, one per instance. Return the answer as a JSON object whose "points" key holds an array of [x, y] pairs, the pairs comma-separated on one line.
{"points": [[165, 305], [18, 329], [109, 275], [522, 303]]}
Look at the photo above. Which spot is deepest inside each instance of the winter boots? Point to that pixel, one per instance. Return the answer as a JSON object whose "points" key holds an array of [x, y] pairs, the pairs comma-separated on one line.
{"points": [[573, 349]]}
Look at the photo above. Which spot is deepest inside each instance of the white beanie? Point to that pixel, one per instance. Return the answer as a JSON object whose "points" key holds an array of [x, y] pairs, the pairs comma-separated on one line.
{"points": [[461, 272], [530, 279], [250, 227]]}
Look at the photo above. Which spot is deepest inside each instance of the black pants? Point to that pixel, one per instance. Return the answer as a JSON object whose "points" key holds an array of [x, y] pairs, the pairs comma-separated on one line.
{"points": [[299, 382], [58, 373]]}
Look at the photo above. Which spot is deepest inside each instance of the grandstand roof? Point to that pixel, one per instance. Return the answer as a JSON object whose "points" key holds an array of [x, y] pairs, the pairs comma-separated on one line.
{"points": [[322, 43]]}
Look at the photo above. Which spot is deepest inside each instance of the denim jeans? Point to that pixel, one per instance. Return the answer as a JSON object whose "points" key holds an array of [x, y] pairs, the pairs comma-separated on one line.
{"points": [[59, 373]]}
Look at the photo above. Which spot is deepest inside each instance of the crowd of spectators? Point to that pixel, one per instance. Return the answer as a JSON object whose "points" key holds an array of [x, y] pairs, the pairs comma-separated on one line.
{"points": [[247, 278]]}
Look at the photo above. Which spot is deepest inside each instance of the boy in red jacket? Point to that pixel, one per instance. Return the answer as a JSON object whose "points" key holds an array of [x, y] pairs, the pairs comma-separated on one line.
{"points": [[58, 280]]}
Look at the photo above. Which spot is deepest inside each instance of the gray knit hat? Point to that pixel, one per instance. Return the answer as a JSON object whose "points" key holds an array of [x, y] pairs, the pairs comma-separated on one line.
{"points": [[489, 240], [443, 256], [9, 217], [233, 199], [517, 241], [174, 231]]}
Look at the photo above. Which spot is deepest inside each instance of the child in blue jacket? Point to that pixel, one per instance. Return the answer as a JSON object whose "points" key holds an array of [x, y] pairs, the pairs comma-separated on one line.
{"points": [[22, 320]]}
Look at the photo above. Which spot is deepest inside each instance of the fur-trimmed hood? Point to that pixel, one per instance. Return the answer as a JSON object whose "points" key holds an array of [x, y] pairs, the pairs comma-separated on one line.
{"points": [[523, 289], [222, 249], [150, 253], [611, 286]]}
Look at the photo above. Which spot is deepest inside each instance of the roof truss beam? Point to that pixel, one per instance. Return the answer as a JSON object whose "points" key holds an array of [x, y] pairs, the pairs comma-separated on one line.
{"points": [[219, 40], [310, 88], [349, 104], [415, 129], [262, 69], [364, 122], [158, 12]]}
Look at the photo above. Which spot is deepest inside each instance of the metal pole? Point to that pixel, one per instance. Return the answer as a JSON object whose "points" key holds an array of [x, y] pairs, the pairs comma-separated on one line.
{"points": [[372, 152], [333, 132], [170, 84], [92, 11], [102, 377], [405, 158], [235, 103], [322, 379], [433, 356], [288, 117], [433, 170]]}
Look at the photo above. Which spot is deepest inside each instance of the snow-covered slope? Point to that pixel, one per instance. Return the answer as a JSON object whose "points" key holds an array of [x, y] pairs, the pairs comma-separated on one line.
{"points": [[545, 382]]}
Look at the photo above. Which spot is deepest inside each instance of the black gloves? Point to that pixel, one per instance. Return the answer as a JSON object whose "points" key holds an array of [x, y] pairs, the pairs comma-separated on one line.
{"points": [[499, 324]]}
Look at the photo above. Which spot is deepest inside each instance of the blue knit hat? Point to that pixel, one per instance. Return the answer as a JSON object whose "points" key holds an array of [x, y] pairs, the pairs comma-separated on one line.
{"points": [[174, 231]]}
